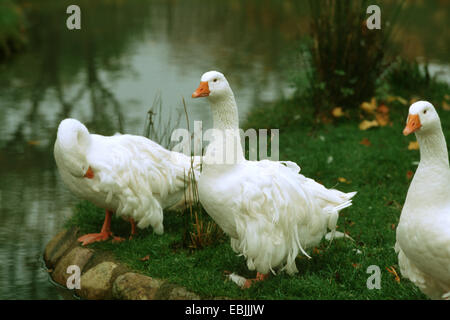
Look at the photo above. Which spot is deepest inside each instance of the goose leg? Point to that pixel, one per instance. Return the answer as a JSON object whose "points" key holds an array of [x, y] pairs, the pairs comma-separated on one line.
{"points": [[259, 277], [246, 283], [104, 234], [132, 233], [133, 228]]}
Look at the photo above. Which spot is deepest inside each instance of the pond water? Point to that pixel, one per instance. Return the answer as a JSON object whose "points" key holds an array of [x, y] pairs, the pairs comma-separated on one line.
{"points": [[108, 74]]}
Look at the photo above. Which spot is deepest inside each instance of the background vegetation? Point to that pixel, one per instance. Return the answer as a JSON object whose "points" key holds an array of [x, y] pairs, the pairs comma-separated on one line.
{"points": [[12, 29], [344, 58]]}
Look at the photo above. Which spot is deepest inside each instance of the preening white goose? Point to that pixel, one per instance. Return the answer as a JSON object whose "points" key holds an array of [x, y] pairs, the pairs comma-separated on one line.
{"points": [[271, 212], [423, 233], [130, 175]]}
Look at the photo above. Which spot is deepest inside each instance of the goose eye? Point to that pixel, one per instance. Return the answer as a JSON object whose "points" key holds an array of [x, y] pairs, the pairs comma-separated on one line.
{"points": [[424, 111], [215, 80]]}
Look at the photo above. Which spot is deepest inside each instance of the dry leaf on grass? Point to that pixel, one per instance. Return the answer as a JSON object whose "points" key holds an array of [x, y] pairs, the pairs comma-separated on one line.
{"points": [[445, 106], [343, 180], [382, 119], [365, 142], [366, 124], [402, 101], [380, 112], [337, 112], [382, 108], [413, 145], [409, 175], [369, 107], [146, 258], [397, 98]]}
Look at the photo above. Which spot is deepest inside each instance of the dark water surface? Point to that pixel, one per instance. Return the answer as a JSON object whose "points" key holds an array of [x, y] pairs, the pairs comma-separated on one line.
{"points": [[107, 76]]}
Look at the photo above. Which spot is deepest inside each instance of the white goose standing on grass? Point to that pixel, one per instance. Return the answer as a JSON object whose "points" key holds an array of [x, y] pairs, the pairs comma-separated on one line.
{"points": [[423, 233], [129, 175], [271, 212]]}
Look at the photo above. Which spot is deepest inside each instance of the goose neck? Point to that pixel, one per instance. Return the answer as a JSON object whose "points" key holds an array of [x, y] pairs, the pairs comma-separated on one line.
{"points": [[433, 149], [225, 113], [225, 146]]}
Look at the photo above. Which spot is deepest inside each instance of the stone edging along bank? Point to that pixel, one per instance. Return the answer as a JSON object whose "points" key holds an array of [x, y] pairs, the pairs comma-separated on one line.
{"points": [[102, 277]]}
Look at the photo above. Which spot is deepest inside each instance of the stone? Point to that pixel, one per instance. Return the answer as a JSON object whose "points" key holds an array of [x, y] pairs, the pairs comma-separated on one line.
{"points": [[133, 286], [169, 291], [181, 293], [96, 283], [77, 256], [59, 245]]}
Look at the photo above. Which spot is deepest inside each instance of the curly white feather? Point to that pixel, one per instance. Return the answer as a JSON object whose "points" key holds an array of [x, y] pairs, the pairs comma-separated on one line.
{"points": [[274, 212]]}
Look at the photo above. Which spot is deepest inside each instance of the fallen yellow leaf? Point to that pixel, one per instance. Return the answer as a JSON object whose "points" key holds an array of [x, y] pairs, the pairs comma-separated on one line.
{"points": [[337, 112], [369, 107], [396, 98], [366, 124], [445, 106], [382, 119], [402, 101], [413, 145], [391, 98], [343, 180]]}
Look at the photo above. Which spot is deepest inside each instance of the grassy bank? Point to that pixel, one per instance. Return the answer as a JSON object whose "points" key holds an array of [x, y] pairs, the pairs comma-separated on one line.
{"points": [[335, 151]]}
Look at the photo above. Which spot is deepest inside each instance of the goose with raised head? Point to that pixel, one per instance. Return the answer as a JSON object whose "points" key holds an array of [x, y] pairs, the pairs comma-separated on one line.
{"points": [[271, 212], [423, 233], [129, 175]]}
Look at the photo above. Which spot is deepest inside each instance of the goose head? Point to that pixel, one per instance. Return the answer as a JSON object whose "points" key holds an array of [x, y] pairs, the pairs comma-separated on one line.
{"points": [[213, 85], [422, 118], [72, 142]]}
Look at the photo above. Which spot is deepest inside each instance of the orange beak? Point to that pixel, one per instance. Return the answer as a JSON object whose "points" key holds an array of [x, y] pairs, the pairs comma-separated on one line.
{"points": [[413, 124], [202, 90], [89, 173]]}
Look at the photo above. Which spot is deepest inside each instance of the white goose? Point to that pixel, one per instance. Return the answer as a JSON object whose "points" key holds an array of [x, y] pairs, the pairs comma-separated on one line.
{"points": [[130, 175], [270, 211], [423, 233]]}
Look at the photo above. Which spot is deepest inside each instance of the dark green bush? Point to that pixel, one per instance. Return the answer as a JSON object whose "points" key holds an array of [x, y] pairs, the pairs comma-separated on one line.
{"points": [[344, 58]]}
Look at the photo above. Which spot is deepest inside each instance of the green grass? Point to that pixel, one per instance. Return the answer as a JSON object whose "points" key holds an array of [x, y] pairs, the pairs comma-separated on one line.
{"points": [[378, 172]]}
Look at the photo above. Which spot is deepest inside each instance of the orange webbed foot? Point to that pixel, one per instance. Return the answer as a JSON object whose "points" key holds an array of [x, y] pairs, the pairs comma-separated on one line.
{"points": [[93, 237], [243, 282], [118, 239], [259, 277]]}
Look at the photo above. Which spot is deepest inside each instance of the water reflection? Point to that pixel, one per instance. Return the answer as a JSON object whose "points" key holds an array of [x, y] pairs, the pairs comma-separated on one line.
{"points": [[108, 74]]}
